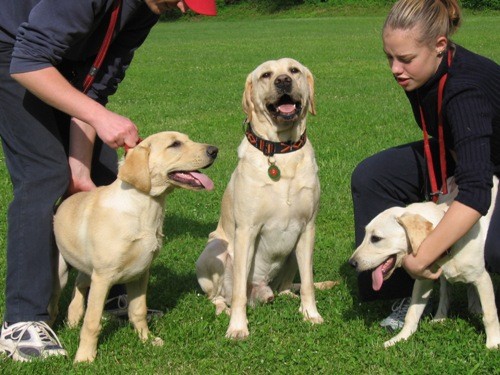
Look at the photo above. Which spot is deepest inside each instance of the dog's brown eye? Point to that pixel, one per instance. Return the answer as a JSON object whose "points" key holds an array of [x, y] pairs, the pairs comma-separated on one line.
{"points": [[175, 144], [375, 239], [294, 70], [266, 75]]}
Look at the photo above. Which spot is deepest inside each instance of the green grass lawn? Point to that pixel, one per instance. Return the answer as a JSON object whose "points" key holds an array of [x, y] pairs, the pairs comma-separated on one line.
{"points": [[189, 77]]}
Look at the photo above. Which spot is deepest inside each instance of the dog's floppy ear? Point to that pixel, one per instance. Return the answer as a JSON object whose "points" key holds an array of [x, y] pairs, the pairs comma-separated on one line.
{"points": [[417, 228], [135, 169], [310, 82], [247, 98]]}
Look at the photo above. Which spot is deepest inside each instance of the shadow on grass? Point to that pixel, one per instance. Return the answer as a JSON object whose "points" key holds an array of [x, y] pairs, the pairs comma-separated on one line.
{"points": [[370, 311], [176, 226], [168, 287], [164, 293], [374, 311]]}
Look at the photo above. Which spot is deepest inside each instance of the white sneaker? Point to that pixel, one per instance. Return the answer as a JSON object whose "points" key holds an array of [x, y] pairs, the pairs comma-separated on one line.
{"points": [[26, 341], [396, 319], [118, 307]]}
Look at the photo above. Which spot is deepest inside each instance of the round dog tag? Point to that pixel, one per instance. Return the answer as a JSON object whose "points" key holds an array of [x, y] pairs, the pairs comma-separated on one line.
{"points": [[274, 172]]}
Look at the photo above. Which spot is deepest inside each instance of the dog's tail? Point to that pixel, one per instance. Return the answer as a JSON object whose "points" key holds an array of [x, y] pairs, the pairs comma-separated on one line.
{"points": [[323, 285]]}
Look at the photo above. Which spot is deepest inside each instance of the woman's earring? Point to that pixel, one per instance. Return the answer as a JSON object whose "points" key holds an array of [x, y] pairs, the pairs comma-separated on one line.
{"points": [[441, 53]]}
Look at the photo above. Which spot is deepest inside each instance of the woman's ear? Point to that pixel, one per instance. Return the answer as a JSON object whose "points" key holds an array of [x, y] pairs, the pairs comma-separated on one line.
{"points": [[441, 45]]}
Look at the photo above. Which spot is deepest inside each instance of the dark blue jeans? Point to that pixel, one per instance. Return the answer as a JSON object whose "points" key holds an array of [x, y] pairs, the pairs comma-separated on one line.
{"points": [[398, 177], [35, 143]]}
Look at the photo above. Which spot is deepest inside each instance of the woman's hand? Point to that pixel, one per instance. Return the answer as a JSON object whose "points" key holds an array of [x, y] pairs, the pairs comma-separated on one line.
{"points": [[419, 271], [456, 222]]}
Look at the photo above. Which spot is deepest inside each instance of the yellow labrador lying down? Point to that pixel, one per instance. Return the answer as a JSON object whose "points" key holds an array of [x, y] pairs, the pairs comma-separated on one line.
{"points": [[399, 231], [111, 234], [266, 228]]}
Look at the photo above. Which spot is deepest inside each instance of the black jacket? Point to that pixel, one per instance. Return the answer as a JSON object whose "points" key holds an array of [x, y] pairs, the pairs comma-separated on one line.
{"points": [[67, 34], [471, 118]]}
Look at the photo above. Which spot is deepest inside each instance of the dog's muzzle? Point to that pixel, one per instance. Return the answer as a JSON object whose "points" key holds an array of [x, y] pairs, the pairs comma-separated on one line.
{"points": [[286, 107], [283, 84]]}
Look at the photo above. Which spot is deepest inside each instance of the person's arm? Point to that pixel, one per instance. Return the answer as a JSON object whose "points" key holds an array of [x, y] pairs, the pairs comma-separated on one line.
{"points": [[457, 221], [81, 146], [51, 87]]}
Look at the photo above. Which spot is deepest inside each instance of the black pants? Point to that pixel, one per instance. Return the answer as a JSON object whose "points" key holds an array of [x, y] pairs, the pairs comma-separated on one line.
{"points": [[398, 177], [35, 144]]}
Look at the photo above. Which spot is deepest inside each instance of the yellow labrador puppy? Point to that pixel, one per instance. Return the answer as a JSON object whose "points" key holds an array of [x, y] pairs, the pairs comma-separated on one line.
{"points": [[399, 231], [112, 234], [266, 228]]}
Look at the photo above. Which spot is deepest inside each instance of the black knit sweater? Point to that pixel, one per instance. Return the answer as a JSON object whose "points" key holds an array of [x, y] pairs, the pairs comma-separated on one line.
{"points": [[471, 118]]}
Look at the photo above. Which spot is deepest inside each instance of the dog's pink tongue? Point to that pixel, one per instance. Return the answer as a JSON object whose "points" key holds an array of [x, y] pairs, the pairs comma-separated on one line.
{"points": [[377, 278], [287, 108], [203, 179]]}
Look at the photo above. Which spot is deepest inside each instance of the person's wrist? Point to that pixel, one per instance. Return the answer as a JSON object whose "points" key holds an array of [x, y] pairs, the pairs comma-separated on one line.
{"points": [[94, 112]]}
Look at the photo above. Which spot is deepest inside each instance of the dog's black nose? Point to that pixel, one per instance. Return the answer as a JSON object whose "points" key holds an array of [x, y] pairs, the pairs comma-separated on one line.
{"points": [[283, 83], [212, 151], [353, 263]]}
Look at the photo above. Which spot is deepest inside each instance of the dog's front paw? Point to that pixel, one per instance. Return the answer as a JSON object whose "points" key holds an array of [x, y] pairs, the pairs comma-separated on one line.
{"points": [[311, 315], [390, 343], [84, 356], [438, 319], [314, 319], [493, 342], [157, 341], [394, 341], [237, 334]]}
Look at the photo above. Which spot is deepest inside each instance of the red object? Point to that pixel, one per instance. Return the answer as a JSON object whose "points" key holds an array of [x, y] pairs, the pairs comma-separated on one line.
{"points": [[205, 7], [435, 193], [127, 148], [89, 79]]}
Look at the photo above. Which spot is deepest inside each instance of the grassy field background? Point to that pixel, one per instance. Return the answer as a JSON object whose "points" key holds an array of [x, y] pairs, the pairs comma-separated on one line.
{"points": [[189, 77]]}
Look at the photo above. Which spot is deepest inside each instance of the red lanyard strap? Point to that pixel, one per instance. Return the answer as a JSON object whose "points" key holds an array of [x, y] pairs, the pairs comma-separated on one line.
{"points": [[435, 192], [89, 79]]}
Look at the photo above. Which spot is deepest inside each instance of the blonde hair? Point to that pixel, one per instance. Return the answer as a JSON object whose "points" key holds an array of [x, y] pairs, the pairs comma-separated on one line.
{"points": [[434, 17]]}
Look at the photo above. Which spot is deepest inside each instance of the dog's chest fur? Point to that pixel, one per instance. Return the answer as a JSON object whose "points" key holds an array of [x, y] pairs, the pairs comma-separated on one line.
{"points": [[283, 208], [285, 205], [138, 233]]}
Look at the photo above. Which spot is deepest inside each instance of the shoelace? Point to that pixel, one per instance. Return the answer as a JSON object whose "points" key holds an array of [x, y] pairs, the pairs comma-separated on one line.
{"points": [[398, 311], [46, 334], [122, 301]]}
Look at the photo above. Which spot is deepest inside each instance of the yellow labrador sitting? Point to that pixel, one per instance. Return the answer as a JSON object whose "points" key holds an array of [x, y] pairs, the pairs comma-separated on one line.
{"points": [[399, 231], [111, 234], [266, 228]]}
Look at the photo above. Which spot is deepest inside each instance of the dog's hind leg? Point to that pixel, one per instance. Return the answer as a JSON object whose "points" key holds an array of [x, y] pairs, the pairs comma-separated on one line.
{"points": [[473, 301], [490, 317], [444, 300], [76, 308], [59, 282], [211, 271], [420, 296]]}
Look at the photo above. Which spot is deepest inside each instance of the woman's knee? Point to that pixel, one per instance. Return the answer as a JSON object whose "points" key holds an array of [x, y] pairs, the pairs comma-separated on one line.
{"points": [[367, 176]]}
